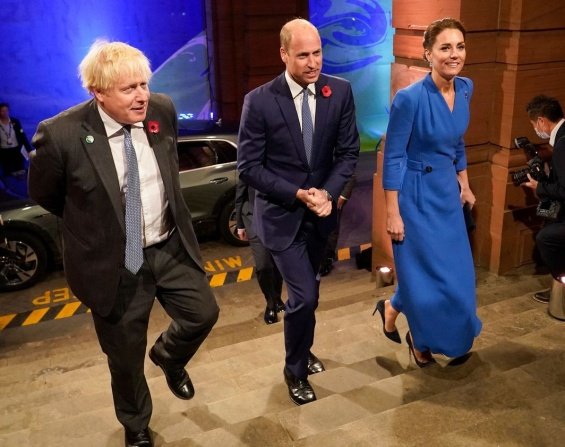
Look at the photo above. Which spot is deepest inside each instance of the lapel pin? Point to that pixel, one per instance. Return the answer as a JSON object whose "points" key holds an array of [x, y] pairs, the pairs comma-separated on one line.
{"points": [[89, 139]]}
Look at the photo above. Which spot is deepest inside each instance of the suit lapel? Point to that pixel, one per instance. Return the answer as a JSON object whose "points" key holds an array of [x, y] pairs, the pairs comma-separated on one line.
{"points": [[288, 109], [95, 143], [159, 143], [322, 106]]}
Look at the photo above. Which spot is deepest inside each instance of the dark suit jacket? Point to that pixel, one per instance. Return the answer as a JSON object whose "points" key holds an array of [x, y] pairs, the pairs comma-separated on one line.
{"points": [[555, 188], [271, 156], [244, 206], [77, 181]]}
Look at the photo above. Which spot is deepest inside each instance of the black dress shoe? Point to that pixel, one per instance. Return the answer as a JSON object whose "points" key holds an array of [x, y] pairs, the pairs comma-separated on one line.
{"points": [[299, 390], [270, 316], [315, 365], [139, 439], [177, 378], [279, 306], [393, 335]]}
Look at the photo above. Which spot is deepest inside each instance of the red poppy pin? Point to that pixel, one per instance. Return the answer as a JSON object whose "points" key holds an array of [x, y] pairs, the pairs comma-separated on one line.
{"points": [[153, 126], [326, 91]]}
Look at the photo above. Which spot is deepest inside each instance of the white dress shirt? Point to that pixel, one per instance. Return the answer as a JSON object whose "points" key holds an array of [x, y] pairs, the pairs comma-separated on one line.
{"points": [[8, 137], [155, 219], [296, 92]]}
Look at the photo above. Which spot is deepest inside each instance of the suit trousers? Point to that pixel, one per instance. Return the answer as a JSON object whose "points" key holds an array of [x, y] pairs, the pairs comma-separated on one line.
{"points": [[268, 275], [550, 242], [169, 274], [299, 265]]}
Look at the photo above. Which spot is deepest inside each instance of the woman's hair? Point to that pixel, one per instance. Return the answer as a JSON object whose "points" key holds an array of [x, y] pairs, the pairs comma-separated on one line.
{"points": [[545, 106], [106, 62], [436, 27]]}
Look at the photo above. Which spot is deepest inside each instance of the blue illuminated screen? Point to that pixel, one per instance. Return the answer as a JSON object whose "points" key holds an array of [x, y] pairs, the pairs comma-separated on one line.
{"points": [[357, 45], [44, 41]]}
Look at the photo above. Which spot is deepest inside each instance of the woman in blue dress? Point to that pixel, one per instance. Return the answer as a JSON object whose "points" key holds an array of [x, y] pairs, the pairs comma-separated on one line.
{"points": [[426, 187]]}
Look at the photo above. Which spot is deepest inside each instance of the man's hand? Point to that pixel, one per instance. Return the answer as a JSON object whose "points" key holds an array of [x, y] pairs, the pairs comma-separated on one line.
{"points": [[340, 202], [319, 202], [316, 200], [532, 184], [242, 234]]}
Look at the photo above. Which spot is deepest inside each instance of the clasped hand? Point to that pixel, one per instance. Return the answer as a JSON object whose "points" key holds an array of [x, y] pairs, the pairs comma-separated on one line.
{"points": [[316, 200]]}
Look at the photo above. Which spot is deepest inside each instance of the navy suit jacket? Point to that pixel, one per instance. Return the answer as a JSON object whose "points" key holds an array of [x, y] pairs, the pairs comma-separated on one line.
{"points": [[272, 159]]}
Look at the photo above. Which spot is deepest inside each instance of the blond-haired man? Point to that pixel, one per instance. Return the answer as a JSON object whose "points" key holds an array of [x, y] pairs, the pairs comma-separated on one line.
{"points": [[108, 167]]}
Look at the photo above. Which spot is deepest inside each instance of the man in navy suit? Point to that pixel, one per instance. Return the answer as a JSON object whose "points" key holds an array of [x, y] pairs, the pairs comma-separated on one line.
{"points": [[298, 146]]}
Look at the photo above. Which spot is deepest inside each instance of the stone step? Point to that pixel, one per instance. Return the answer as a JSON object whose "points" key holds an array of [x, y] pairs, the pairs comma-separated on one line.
{"points": [[330, 318], [360, 323], [350, 380], [246, 296]]}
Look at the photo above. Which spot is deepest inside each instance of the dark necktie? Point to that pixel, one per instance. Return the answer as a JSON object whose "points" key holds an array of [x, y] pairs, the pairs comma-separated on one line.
{"points": [[307, 126], [134, 244]]}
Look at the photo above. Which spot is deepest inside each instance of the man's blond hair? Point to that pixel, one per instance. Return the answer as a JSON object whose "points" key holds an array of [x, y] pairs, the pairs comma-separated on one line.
{"points": [[289, 27], [106, 62]]}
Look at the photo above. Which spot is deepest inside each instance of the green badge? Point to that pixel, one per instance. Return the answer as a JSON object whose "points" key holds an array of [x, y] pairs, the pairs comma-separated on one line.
{"points": [[89, 139]]}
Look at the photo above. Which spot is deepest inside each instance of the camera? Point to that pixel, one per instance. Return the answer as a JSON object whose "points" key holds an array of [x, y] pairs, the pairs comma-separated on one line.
{"points": [[548, 209], [535, 163]]}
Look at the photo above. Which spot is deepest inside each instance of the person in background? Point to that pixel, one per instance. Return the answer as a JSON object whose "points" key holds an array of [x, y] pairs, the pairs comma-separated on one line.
{"points": [[298, 147], [426, 187], [13, 141], [330, 255], [546, 115], [268, 275], [108, 168]]}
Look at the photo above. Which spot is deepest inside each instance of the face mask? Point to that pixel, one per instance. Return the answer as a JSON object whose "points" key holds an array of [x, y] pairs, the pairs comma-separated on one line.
{"points": [[540, 133], [543, 135]]}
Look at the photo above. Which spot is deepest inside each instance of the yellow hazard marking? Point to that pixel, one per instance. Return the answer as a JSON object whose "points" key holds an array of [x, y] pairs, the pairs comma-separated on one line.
{"points": [[68, 310], [5, 320], [218, 280], [245, 274], [231, 262], [343, 254], [35, 316]]}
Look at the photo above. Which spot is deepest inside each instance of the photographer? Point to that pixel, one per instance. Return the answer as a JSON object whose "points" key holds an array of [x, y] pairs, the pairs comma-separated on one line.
{"points": [[546, 116]]}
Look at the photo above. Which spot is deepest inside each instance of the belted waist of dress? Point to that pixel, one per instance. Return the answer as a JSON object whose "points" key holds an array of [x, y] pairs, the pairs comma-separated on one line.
{"points": [[430, 166]]}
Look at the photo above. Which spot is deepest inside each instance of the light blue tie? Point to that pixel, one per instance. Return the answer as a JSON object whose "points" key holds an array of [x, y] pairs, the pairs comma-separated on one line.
{"points": [[307, 126], [134, 244]]}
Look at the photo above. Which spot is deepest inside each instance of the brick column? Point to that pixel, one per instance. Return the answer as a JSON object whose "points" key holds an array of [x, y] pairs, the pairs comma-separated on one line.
{"points": [[246, 47]]}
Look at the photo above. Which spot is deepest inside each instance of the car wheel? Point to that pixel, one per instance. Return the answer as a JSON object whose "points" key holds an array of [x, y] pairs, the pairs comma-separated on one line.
{"points": [[23, 260], [227, 225]]}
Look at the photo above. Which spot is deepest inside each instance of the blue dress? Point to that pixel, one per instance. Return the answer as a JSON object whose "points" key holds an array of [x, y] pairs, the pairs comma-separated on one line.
{"points": [[434, 265]]}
